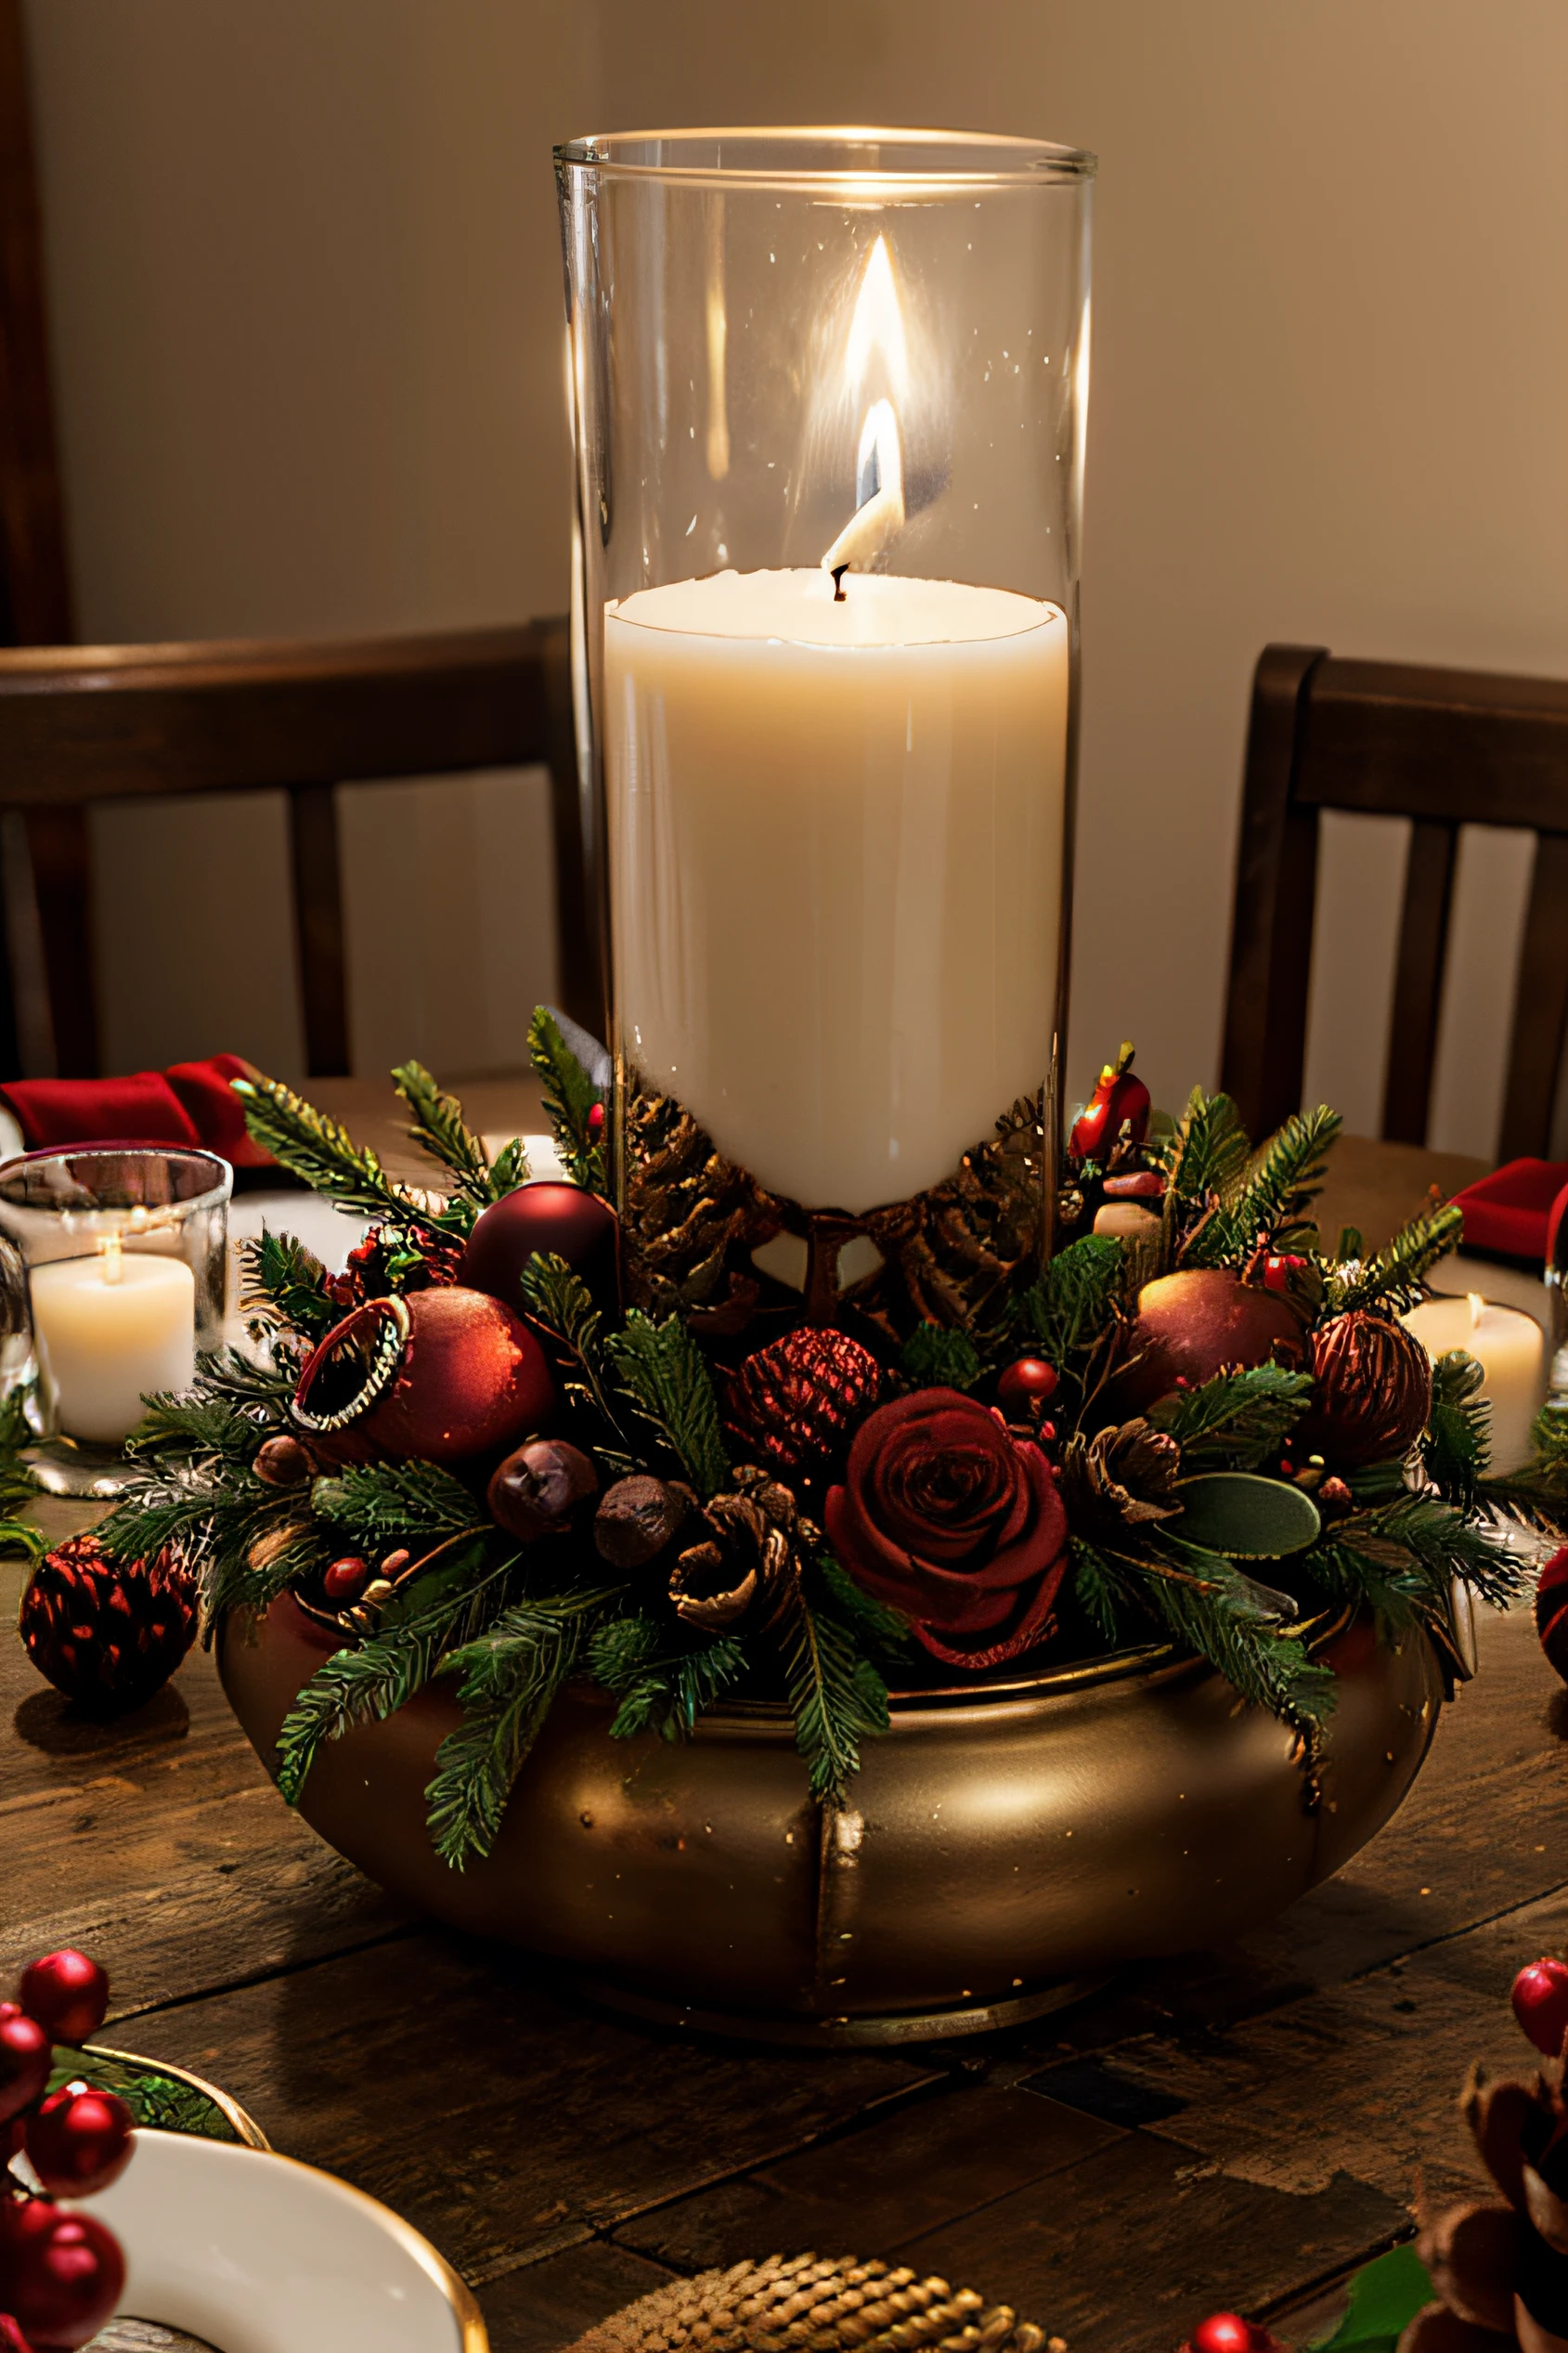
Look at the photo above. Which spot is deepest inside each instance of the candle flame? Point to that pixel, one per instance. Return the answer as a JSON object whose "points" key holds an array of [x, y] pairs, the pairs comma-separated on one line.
{"points": [[1477, 1307], [109, 1258], [877, 335]]}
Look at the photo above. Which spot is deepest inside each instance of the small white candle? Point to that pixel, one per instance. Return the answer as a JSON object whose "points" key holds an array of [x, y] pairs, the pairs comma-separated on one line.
{"points": [[111, 1329], [1510, 1350]]}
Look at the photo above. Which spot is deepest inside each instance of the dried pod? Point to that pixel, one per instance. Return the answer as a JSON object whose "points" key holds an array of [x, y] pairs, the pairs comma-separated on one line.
{"points": [[745, 1565], [282, 1461], [535, 1490], [1121, 1476], [1472, 2253], [638, 1517]]}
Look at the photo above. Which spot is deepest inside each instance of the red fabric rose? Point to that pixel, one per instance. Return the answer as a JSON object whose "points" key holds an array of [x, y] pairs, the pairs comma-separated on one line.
{"points": [[948, 1518]]}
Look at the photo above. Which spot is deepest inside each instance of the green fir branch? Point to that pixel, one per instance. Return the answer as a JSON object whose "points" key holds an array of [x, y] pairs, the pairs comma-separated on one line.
{"points": [[508, 1677], [287, 1284], [663, 1685], [837, 1696], [1067, 1309], [887, 1637], [1209, 1150], [1213, 1608], [934, 1356], [319, 1149], [1396, 1278], [1267, 1203], [1538, 1492], [1458, 1445], [398, 1503], [360, 1685], [1105, 1592], [437, 1127], [1237, 1421], [668, 1375], [570, 1098], [561, 1300]]}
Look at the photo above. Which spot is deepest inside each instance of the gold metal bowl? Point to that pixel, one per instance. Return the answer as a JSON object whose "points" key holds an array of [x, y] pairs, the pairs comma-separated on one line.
{"points": [[1006, 1845]]}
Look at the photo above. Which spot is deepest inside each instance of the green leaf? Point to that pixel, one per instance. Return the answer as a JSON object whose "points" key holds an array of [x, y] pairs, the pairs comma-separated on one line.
{"points": [[570, 1097], [1395, 1278], [663, 1367], [1385, 2297], [935, 1357], [1067, 1309], [837, 1696], [437, 1127], [1237, 1420], [1457, 1447], [1246, 1517], [403, 1503], [320, 1149]]}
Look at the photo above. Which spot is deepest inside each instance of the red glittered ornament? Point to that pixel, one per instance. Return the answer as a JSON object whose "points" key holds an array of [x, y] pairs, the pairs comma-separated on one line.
{"points": [[107, 1633], [794, 1402], [560, 1219], [61, 2272], [67, 1993], [25, 2059], [437, 1377], [1193, 1324], [1551, 1611], [1540, 2004], [1371, 1391], [79, 2140]]}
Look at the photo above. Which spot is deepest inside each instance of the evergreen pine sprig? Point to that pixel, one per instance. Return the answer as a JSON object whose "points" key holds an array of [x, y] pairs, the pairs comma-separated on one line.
{"points": [[663, 1685], [282, 1282], [507, 1678], [570, 1098], [1239, 1626], [437, 1127], [1237, 1421], [1538, 1492], [1266, 1204], [668, 1375], [1067, 1309], [937, 1357], [1394, 1278], [319, 1149], [835, 1695], [1458, 1444], [398, 1503], [1107, 1592], [1209, 1150], [559, 1300], [878, 1630]]}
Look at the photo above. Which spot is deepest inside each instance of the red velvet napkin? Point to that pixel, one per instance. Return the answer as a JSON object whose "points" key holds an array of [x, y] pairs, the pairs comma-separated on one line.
{"points": [[190, 1103], [1514, 1212]]}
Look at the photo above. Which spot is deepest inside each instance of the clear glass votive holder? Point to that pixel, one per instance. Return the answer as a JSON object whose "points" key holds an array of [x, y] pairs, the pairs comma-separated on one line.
{"points": [[112, 1275]]}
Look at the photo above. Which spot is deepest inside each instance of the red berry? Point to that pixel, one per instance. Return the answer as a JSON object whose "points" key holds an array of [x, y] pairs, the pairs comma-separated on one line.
{"points": [[11, 2337], [25, 2060], [1028, 1382], [596, 1122], [66, 1993], [1224, 2333], [1277, 1271], [1046, 1433], [63, 2272], [347, 1579], [1540, 2004], [79, 2140]]}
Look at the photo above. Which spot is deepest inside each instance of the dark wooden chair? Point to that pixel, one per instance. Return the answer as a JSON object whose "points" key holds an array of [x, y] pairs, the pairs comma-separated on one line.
{"points": [[1444, 748], [80, 724]]}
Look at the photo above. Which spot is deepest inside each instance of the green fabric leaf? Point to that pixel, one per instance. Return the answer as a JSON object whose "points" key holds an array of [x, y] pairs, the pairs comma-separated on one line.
{"points": [[1385, 2297], [1244, 1517]]}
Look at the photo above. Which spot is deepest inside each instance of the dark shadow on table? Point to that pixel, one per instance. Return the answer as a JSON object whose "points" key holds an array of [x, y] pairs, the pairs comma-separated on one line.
{"points": [[47, 1720]]}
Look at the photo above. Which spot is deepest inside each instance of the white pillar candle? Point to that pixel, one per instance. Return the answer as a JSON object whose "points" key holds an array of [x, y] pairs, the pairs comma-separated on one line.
{"points": [[110, 1333], [1510, 1347], [836, 844]]}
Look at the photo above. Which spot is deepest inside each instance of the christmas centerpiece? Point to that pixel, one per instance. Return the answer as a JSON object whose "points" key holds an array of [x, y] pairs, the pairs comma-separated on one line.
{"points": [[600, 1480]]}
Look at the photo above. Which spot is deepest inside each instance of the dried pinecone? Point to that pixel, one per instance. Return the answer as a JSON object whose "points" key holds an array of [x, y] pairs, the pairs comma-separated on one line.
{"points": [[795, 1402], [745, 1567], [818, 2305], [954, 1251], [1372, 1391], [1119, 1477], [394, 1259], [107, 1633], [686, 1209]]}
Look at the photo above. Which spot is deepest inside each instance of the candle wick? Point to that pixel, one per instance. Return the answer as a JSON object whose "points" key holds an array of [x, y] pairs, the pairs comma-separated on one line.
{"points": [[108, 1252], [838, 572]]}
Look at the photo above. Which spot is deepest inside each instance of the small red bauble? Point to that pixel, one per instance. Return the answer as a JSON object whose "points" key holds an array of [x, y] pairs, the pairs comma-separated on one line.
{"points": [[1120, 1104], [1227, 2333], [79, 2140], [1025, 1385], [1551, 1611], [62, 2272], [347, 1579], [1193, 1324], [1540, 2004], [564, 1220], [107, 1633], [1277, 1271], [435, 1377], [25, 2059], [67, 1993]]}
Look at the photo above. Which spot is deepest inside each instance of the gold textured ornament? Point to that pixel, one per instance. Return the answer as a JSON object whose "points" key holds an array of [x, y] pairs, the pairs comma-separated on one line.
{"points": [[819, 2303]]}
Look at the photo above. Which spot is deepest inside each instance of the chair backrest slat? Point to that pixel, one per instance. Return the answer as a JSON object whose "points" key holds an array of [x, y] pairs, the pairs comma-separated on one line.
{"points": [[316, 861], [1444, 748]]}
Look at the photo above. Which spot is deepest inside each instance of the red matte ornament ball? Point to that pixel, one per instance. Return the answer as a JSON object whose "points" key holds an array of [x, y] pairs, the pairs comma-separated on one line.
{"points": [[562, 1220], [26, 2056], [67, 1993], [1551, 1611], [79, 2140], [62, 2273], [1193, 1324], [1029, 1383], [1540, 2004]]}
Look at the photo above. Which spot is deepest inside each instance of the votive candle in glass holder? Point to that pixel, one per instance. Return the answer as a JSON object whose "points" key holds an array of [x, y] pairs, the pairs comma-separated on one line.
{"points": [[114, 1259], [829, 394]]}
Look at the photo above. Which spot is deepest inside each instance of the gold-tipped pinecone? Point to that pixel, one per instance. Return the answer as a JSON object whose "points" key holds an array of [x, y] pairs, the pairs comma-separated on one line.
{"points": [[1119, 1477], [745, 1567], [831, 2304]]}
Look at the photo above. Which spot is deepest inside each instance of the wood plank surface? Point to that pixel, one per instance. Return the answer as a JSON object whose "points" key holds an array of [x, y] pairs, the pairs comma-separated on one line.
{"points": [[1240, 2126]]}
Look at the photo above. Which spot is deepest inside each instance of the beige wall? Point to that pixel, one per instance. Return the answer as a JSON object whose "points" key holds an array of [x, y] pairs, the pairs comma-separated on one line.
{"points": [[305, 287]]}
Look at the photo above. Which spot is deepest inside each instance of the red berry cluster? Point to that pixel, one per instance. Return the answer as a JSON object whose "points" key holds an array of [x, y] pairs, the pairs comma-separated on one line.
{"points": [[61, 2272], [416, 1259]]}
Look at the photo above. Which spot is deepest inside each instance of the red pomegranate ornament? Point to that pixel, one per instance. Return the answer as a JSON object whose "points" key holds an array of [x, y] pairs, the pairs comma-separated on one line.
{"points": [[61, 2272], [1551, 1611], [79, 2140], [1540, 2004], [1371, 1390], [66, 1993], [1196, 1323], [793, 1403], [107, 1633], [548, 1216], [438, 1377], [1117, 1112]]}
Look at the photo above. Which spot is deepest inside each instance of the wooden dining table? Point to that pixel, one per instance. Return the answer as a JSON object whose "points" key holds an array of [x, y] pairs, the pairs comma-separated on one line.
{"points": [[1240, 2127]]}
